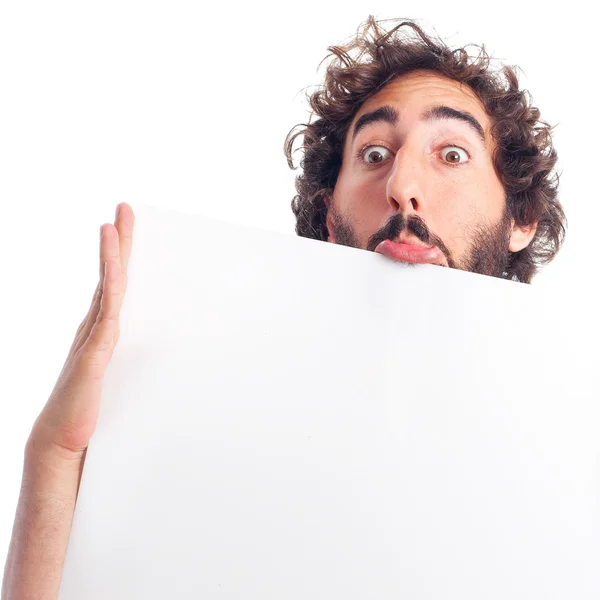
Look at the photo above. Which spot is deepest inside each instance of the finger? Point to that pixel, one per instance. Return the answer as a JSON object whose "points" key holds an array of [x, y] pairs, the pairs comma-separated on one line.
{"points": [[84, 327], [109, 248], [98, 347], [86, 324], [124, 223], [110, 264]]}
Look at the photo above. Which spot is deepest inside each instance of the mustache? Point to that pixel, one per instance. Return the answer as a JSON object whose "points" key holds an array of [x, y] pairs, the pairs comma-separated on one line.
{"points": [[413, 224]]}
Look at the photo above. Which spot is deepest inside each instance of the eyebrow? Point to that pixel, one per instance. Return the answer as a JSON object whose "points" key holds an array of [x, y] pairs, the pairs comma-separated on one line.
{"points": [[388, 114]]}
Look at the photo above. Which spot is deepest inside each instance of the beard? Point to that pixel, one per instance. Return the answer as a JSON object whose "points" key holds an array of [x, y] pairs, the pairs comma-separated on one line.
{"points": [[488, 253]]}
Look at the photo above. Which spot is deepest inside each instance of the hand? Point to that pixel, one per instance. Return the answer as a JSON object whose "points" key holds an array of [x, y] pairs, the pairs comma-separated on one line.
{"points": [[55, 450]]}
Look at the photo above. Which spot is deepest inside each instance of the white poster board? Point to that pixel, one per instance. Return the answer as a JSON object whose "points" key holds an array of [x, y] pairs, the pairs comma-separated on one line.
{"points": [[288, 419]]}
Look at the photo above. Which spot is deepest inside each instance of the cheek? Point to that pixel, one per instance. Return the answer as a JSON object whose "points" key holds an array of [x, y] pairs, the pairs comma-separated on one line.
{"points": [[362, 203], [457, 208], [463, 207]]}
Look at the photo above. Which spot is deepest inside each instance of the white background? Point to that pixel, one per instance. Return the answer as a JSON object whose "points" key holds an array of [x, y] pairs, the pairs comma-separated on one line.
{"points": [[169, 104]]}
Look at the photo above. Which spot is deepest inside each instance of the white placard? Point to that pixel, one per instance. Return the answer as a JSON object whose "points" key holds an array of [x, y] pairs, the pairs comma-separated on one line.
{"points": [[289, 419]]}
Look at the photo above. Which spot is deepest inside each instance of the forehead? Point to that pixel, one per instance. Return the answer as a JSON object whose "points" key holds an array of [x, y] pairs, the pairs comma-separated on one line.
{"points": [[413, 93]]}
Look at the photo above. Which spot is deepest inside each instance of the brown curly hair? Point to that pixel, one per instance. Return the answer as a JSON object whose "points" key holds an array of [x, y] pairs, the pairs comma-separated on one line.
{"points": [[524, 158]]}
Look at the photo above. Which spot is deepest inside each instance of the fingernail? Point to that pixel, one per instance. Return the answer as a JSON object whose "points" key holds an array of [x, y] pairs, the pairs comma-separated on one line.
{"points": [[117, 211]]}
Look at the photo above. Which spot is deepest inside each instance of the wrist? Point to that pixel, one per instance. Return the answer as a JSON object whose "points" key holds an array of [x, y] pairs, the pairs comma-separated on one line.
{"points": [[50, 468]]}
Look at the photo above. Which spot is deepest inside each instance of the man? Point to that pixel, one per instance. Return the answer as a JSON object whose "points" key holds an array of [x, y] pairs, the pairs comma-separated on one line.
{"points": [[444, 162], [403, 160]]}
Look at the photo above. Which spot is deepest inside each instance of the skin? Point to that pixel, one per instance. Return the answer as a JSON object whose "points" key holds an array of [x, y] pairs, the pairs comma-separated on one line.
{"points": [[415, 191], [56, 447]]}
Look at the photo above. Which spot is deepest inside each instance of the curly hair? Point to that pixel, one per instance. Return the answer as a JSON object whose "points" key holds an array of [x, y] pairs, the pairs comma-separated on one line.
{"points": [[524, 158]]}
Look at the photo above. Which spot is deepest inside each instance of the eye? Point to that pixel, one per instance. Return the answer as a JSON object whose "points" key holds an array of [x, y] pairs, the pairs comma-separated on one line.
{"points": [[454, 155], [373, 155]]}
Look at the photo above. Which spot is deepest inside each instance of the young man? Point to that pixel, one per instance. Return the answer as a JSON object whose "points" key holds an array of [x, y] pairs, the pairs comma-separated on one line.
{"points": [[416, 153], [428, 156]]}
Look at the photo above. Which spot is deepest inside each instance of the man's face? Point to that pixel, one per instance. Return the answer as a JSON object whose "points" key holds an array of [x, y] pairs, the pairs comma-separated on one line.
{"points": [[420, 172]]}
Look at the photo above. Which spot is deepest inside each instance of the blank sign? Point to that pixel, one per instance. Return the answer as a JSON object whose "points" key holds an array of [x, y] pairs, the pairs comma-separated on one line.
{"points": [[289, 419]]}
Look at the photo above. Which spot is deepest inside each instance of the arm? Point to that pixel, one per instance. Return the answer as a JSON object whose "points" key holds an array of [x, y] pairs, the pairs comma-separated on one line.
{"points": [[55, 451]]}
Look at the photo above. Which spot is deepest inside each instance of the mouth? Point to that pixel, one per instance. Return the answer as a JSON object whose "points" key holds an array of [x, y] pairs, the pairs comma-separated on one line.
{"points": [[411, 253]]}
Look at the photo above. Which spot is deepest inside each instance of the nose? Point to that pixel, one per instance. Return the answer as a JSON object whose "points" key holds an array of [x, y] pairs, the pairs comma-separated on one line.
{"points": [[404, 190]]}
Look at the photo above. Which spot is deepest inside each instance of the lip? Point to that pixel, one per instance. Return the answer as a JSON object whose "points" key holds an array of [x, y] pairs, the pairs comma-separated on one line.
{"points": [[410, 253]]}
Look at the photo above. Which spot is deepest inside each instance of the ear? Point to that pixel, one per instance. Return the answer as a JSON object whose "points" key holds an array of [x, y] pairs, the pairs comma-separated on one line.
{"points": [[521, 236], [328, 218]]}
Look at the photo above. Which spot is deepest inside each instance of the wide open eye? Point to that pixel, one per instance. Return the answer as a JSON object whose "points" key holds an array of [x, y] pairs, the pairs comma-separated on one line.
{"points": [[454, 155], [374, 155]]}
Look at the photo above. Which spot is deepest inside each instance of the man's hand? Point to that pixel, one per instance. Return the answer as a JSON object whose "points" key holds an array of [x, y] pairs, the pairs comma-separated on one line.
{"points": [[55, 450]]}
